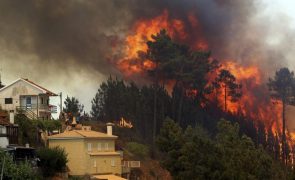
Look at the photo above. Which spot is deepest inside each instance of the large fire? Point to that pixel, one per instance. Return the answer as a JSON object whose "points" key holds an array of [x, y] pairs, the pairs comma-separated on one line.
{"points": [[142, 32], [255, 101]]}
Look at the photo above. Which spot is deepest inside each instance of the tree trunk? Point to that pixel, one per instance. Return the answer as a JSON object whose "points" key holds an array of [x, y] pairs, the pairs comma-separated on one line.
{"points": [[156, 83], [284, 143], [174, 101], [225, 98], [216, 98], [180, 106]]}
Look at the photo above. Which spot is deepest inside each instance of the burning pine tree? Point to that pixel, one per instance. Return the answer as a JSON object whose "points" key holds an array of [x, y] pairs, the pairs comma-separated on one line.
{"points": [[189, 71]]}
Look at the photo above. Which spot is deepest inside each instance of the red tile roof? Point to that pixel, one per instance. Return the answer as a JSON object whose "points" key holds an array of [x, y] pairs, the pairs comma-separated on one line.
{"points": [[47, 91], [82, 134]]}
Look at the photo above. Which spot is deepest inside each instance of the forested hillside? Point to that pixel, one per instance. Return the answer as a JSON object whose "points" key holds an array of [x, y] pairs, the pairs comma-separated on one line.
{"points": [[195, 90]]}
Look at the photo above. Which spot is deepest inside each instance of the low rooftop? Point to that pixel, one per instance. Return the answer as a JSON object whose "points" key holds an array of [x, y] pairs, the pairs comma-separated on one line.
{"points": [[82, 133], [44, 90], [107, 177]]}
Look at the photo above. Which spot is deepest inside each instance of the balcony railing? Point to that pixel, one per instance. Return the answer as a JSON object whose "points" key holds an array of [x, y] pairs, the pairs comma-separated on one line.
{"points": [[131, 164], [49, 108]]}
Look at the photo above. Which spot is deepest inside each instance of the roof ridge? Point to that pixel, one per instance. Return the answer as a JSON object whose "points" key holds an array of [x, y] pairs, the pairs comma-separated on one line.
{"points": [[41, 87], [32, 84], [79, 133]]}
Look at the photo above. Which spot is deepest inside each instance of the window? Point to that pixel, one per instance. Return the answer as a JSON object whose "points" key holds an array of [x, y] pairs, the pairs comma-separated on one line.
{"points": [[47, 101], [106, 146], [8, 100], [29, 100], [112, 162], [94, 163], [42, 100], [99, 146], [2, 129], [89, 146]]}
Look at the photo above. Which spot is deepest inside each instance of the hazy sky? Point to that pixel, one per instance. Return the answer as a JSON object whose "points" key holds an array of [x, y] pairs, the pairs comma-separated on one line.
{"points": [[281, 10], [281, 6]]}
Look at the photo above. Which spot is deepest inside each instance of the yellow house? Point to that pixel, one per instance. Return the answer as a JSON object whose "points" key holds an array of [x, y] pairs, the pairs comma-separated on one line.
{"points": [[89, 152]]}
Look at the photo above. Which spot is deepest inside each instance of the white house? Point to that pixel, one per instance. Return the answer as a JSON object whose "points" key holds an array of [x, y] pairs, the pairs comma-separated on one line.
{"points": [[28, 97], [8, 131]]}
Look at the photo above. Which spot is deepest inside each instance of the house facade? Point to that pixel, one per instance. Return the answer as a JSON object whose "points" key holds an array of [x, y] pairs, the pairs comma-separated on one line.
{"points": [[89, 152], [28, 97], [8, 131]]}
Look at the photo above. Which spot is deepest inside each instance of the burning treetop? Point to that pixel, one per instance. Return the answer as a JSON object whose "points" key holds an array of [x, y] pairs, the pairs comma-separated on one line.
{"points": [[255, 92]]}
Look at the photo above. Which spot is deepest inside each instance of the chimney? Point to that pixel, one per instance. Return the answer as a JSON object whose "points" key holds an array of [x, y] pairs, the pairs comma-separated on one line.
{"points": [[110, 129], [74, 122]]}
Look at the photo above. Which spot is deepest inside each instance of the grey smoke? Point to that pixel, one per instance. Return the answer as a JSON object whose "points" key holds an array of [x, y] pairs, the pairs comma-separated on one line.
{"points": [[68, 45]]}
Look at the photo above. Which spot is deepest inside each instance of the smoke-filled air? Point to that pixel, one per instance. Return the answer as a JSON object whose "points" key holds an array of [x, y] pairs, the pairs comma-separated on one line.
{"points": [[227, 60]]}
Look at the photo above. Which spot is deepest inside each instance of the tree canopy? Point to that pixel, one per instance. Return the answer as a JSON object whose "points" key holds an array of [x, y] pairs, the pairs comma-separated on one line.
{"points": [[282, 87], [181, 92], [193, 154], [73, 106], [231, 89]]}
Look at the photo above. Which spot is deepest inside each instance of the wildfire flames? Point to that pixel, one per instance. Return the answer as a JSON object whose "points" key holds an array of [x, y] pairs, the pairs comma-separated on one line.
{"points": [[255, 101], [125, 123], [142, 32]]}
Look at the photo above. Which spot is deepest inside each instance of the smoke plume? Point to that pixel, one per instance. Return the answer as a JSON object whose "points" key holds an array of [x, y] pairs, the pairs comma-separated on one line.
{"points": [[69, 45]]}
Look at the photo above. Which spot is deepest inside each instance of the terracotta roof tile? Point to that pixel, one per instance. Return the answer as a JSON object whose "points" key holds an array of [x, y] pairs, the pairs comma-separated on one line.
{"points": [[81, 134], [67, 134], [47, 91], [108, 177], [93, 134]]}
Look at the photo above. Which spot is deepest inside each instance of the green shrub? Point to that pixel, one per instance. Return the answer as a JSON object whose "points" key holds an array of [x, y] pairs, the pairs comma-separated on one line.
{"points": [[138, 149], [52, 161], [16, 171], [29, 129]]}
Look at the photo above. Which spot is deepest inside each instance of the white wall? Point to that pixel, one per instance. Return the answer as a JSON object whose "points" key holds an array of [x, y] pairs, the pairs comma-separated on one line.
{"points": [[14, 91], [4, 142]]}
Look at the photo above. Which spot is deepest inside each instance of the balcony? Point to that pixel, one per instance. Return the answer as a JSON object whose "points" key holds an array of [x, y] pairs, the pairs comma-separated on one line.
{"points": [[34, 107], [131, 164]]}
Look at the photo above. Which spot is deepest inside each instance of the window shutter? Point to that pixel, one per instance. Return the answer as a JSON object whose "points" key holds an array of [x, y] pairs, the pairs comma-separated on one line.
{"points": [[89, 146]]}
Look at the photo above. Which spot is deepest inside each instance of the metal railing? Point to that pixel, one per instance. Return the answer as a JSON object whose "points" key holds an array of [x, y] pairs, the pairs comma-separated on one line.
{"points": [[131, 164], [34, 107], [27, 112]]}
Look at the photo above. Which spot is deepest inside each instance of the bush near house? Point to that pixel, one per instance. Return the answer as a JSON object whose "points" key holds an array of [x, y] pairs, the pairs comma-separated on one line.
{"points": [[139, 150], [32, 136], [15, 171], [52, 161]]}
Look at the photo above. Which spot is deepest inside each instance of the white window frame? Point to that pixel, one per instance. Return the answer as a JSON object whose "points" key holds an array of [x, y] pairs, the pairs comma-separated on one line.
{"points": [[106, 146], [99, 146], [113, 164], [2, 129], [89, 146], [8, 99]]}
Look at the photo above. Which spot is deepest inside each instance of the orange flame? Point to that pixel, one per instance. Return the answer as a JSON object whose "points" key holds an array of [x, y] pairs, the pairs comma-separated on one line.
{"points": [[125, 123], [142, 32], [255, 102]]}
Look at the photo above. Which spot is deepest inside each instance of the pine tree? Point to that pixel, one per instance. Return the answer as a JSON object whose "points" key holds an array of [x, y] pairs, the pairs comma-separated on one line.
{"points": [[232, 90], [282, 89]]}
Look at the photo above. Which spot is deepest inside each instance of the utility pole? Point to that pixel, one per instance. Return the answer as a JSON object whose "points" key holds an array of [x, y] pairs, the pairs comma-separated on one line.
{"points": [[2, 170], [1, 86], [60, 106]]}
